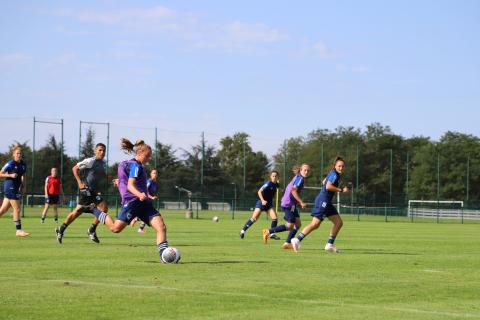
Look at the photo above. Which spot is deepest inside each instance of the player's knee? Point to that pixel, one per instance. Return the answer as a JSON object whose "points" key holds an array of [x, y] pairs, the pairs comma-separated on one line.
{"points": [[115, 229], [339, 224]]}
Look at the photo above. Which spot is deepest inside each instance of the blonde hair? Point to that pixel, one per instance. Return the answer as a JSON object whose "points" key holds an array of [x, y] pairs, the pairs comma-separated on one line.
{"points": [[127, 146], [296, 169], [16, 147]]}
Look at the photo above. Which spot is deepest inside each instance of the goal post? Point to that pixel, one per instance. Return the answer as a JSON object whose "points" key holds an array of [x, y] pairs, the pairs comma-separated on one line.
{"points": [[448, 209]]}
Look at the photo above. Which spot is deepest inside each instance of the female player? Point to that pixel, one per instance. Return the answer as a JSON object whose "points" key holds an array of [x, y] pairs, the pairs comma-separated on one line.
{"points": [[132, 185], [264, 203], [325, 208], [14, 172], [53, 188], [90, 185], [290, 201], [152, 194]]}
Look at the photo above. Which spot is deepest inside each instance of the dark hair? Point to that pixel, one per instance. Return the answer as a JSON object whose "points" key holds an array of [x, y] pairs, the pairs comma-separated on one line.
{"points": [[100, 145], [336, 160], [127, 146], [275, 172]]}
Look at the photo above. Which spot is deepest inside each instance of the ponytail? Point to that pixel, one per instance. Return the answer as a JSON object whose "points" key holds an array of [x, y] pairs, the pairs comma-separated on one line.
{"points": [[128, 147]]}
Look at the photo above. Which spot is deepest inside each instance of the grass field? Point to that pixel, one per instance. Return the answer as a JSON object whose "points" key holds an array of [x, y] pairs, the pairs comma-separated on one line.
{"points": [[396, 270]]}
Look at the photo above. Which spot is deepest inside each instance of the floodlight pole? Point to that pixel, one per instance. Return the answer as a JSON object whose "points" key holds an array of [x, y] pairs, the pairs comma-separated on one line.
{"points": [[468, 178], [156, 148], [391, 174], [234, 204]]}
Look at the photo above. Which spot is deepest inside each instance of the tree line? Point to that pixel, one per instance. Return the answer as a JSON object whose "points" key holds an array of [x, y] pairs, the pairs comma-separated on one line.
{"points": [[382, 167]]}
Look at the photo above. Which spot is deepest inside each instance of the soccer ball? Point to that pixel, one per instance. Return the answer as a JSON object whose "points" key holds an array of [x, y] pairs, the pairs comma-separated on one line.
{"points": [[215, 219], [171, 255]]}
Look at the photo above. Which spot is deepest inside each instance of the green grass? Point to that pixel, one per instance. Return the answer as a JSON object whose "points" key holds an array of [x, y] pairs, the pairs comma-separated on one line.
{"points": [[396, 270]]}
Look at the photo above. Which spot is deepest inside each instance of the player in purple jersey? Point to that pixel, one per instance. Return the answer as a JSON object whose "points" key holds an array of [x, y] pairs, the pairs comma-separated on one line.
{"points": [[325, 208], [290, 201], [14, 172], [266, 194], [132, 185]]}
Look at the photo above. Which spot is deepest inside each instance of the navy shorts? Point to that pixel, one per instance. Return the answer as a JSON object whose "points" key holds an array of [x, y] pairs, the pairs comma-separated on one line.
{"points": [[323, 209], [12, 194], [52, 199], [266, 207], [143, 210], [291, 214], [88, 199]]}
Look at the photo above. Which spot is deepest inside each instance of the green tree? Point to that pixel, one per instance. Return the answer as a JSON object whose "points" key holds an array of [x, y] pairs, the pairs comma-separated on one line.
{"points": [[87, 148], [244, 167]]}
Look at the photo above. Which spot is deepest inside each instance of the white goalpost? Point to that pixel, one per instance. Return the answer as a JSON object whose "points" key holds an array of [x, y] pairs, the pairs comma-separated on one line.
{"points": [[448, 209]]}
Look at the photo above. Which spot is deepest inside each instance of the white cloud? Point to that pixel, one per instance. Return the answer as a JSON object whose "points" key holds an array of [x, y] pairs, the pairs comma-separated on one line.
{"points": [[190, 30], [73, 33], [13, 59], [356, 69], [321, 50], [62, 59], [131, 17], [258, 32]]}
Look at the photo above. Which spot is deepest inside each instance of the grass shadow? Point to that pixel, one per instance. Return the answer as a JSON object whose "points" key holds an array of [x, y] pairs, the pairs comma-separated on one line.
{"points": [[214, 262]]}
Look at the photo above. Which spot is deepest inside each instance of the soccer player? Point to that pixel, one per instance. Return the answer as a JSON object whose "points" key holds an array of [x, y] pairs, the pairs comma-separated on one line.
{"points": [[132, 185], [325, 208], [14, 172], [290, 201], [266, 193], [152, 194], [53, 188], [90, 184]]}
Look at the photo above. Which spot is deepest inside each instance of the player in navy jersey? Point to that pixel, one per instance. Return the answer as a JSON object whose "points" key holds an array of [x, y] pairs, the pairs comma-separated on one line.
{"points": [[324, 208], [132, 185], [291, 200], [90, 175], [14, 172], [152, 194], [266, 194]]}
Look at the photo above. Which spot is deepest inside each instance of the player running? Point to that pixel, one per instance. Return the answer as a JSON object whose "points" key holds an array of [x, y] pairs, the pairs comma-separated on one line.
{"points": [[266, 194], [132, 185], [93, 179], [14, 172], [290, 201], [325, 208]]}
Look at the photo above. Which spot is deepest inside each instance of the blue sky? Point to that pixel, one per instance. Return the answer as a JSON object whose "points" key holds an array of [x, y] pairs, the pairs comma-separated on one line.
{"points": [[274, 69]]}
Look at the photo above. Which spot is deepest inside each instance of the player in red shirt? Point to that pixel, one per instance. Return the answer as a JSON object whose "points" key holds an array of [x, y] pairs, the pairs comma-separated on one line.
{"points": [[53, 188]]}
